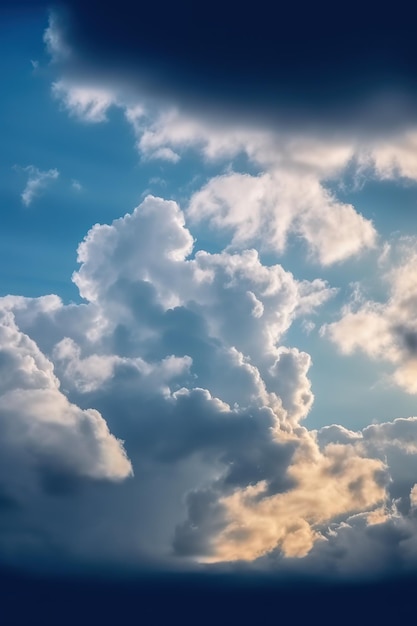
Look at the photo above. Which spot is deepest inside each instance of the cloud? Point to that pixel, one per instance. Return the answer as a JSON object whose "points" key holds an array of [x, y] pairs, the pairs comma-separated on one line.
{"points": [[181, 353], [41, 429], [55, 44], [210, 411], [270, 207], [37, 182], [389, 155], [288, 197], [89, 104], [160, 358], [385, 330], [341, 482]]}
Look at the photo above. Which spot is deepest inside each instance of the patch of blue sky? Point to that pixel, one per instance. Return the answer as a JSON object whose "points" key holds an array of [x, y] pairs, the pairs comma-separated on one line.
{"points": [[101, 174], [38, 242], [349, 389], [390, 204]]}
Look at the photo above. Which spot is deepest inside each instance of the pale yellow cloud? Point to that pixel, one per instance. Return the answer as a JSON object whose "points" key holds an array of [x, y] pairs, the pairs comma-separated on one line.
{"points": [[329, 484]]}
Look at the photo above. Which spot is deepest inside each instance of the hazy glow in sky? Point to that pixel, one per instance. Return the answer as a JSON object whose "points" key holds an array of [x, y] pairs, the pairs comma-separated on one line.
{"points": [[208, 337]]}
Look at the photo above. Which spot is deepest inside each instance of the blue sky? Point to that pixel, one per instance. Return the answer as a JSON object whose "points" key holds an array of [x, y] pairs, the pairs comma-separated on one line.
{"points": [[237, 329]]}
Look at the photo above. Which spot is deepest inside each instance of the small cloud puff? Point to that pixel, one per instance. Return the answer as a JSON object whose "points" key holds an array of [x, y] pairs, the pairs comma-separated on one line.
{"points": [[37, 181]]}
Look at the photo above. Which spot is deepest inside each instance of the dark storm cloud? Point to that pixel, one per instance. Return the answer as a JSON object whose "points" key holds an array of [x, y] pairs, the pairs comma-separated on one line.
{"points": [[303, 63]]}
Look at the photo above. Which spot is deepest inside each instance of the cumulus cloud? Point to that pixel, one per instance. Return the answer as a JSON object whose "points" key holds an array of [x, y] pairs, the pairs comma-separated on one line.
{"points": [[210, 411], [392, 157], [42, 432], [37, 181], [157, 354], [385, 330], [270, 207], [288, 197], [341, 482]]}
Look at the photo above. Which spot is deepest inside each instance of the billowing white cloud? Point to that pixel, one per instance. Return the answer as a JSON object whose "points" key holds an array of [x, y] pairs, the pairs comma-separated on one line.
{"points": [[266, 209], [37, 181], [288, 196], [40, 427]]}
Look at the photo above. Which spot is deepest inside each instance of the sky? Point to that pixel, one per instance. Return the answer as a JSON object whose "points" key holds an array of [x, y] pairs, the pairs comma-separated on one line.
{"points": [[208, 340]]}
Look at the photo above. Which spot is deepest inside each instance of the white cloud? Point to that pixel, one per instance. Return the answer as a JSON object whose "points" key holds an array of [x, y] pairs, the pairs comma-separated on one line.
{"points": [[56, 46], [89, 104], [392, 157], [385, 330], [40, 426], [182, 353], [37, 182], [413, 496], [152, 246], [266, 209], [157, 352]]}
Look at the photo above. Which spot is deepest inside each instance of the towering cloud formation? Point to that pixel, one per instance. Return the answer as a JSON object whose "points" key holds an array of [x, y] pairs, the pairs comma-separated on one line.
{"points": [[181, 353]]}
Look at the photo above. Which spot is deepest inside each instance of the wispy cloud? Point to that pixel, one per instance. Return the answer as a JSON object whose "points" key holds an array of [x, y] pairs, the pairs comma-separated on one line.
{"points": [[87, 103], [38, 180]]}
